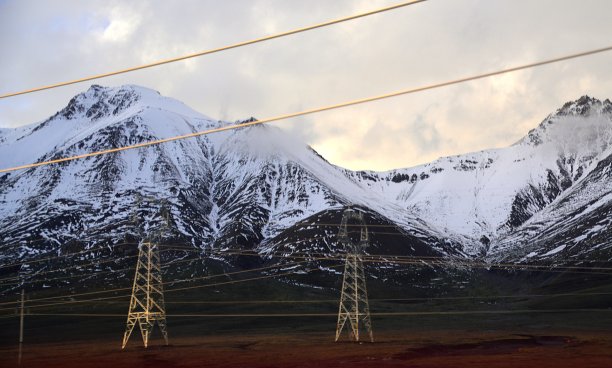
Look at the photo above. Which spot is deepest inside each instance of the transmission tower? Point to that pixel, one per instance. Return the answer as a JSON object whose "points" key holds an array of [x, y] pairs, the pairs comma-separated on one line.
{"points": [[354, 306], [147, 305]]}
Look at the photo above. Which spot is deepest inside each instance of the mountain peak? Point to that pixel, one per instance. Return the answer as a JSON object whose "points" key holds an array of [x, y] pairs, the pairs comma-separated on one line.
{"points": [[133, 89], [561, 123], [245, 121], [99, 101], [249, 186], [584, 106]]}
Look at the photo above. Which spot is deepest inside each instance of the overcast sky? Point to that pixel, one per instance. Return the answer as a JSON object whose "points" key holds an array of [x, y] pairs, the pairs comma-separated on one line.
{"points": [[43, 42]]}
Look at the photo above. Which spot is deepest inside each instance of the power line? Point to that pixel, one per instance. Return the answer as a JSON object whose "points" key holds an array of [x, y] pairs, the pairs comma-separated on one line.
{"points": [[165, 283], [426, 262], [315, 301], [311, 111], [104, 247], [189, 248], [46, 271], [305, 258], [423, 262], [19, 279], [94, 263], [442, 259], [126, 296], [216, 50], [101, 272], [179, 247], [381, 314], [511, 311], [234, 273], [107, 300], [64, 255], [302, 301], [29, 279], [170, 290], [73, 295], [517, 296], [270, 276], [238, 281], [415, 260]]}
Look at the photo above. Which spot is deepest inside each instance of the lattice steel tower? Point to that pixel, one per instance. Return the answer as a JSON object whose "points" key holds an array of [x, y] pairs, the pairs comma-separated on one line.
{"points": [[147, 306], [354, 306]]}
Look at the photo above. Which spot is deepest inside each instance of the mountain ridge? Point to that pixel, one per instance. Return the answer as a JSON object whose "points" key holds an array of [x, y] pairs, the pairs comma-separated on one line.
{"points": [[246, 187]]}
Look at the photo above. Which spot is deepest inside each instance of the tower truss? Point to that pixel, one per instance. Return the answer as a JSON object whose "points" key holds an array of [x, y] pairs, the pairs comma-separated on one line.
{"points": [[354, 307], [147, 305]]}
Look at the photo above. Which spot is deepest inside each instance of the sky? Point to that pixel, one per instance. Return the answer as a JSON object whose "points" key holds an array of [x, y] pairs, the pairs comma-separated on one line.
{"points": [[45, 42]]}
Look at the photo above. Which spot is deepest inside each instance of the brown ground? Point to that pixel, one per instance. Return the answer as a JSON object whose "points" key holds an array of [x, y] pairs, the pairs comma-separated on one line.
{"points": [[392, 349]]}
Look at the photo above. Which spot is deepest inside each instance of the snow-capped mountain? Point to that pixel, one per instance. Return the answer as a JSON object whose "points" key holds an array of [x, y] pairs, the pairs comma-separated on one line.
{"points": [[494, 194], [494, 191], [234, 189], [574, 228], [260, 189]]}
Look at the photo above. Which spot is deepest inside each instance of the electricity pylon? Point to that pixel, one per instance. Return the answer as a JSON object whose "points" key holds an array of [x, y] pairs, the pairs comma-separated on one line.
{"points": [[354, 305], [147, 306]]}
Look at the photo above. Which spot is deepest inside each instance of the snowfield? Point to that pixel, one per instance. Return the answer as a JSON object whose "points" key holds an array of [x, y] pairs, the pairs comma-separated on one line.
{"points": [[254, 183]]}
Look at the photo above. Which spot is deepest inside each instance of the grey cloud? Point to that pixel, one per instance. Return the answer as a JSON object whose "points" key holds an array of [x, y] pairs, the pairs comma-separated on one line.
{"points": [[46, 42], [425, 135]]}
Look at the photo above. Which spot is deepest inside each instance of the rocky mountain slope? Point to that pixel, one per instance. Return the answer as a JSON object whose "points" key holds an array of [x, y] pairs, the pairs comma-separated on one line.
{"points": [[260, 189], [236, 189], [490, 194]]}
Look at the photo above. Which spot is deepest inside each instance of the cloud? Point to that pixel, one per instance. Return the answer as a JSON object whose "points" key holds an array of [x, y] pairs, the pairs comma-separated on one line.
{"points": [[122, 24], [409, 47]]}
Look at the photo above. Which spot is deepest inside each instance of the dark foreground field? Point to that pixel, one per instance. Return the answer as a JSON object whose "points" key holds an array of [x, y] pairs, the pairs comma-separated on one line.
{"points": [[495, 322], [532, 340]]}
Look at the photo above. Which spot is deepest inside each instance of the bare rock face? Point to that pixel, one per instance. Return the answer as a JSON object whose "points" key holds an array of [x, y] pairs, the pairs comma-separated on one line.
{"points": [[259, 189]]}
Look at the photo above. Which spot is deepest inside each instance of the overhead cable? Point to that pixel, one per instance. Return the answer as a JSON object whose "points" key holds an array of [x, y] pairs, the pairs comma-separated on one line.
{"points": [[215, 50], [310, 111]]}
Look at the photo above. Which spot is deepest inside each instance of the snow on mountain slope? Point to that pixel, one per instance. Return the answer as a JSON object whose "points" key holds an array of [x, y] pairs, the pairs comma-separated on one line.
{"points": [[229, 189], [87, 113], [97, 119], [249, 187], [573, 228], [490, 193]]}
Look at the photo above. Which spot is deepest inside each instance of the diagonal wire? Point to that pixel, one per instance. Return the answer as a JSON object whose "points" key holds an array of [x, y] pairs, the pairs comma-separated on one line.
{"points": [[168, 282], [379, 314], [311, 111], [216, 50]]}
